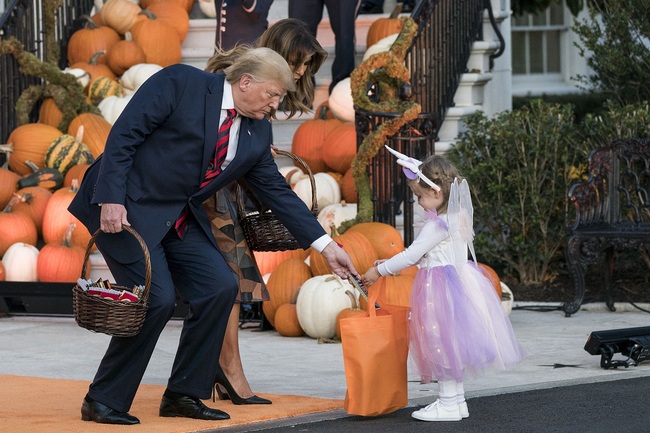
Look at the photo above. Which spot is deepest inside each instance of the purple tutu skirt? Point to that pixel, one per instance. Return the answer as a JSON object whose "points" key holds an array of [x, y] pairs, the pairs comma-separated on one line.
{"points": [[458, 328]]}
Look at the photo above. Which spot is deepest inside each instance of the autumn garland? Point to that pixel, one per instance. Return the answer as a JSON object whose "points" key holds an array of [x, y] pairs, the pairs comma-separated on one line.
{"points": [[389, 71]]}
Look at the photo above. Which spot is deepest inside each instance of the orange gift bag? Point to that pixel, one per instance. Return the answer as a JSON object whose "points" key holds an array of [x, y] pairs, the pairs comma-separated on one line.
{"points": [[375, 349]]}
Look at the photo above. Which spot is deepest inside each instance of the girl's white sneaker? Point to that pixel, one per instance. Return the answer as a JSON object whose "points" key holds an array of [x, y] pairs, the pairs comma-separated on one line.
{"points": [[464, 412], [437, 412]]}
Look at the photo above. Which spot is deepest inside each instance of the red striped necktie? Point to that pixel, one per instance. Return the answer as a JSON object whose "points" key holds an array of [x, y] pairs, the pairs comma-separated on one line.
{"points": [[214, 168]]}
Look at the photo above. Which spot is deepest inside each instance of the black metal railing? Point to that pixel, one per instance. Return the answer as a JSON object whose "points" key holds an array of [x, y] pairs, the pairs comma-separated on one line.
{"points": [[437, 58], [24, 20]]}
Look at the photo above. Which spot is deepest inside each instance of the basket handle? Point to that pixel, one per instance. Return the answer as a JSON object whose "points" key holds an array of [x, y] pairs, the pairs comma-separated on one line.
{"points": [[143, 245], [312, 181]]}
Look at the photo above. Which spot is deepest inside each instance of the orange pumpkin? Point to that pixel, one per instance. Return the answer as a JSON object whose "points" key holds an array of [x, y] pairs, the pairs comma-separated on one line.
{"points": [[30, 142], [357, 246], [124, 54], [57, 218], [3, 273], [382, 27], [8, 181], [393, 290], [172, 13], [353, 311], [32, 201], [309, 139], [76, 172], [186, 4], [94, 68], [96, 130], [15, 227], [283, 285], [61, 262], [492, 275], [340, 147], [286, 321], [267, 261], [158, 40], [50, 113], [323, 111], [385, 239], [84, 43], [349, 187]]}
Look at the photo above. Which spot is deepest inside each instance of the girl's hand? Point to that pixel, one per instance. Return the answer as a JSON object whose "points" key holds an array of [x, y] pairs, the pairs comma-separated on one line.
{"points": [[371, 276]]}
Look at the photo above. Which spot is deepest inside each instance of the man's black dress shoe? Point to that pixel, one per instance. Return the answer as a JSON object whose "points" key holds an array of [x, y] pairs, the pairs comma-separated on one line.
{"points": [[189, 407], [92, 410]]}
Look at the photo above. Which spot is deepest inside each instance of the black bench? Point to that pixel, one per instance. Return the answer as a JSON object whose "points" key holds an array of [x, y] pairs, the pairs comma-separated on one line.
{"points": [[612, 213]]}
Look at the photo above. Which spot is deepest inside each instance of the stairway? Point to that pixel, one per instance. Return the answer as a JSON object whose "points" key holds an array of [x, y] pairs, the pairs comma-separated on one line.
{"points": [[470, 96]]}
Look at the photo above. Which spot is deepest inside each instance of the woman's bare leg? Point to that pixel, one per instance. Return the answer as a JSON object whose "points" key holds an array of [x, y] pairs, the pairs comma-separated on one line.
{"points": [[230, 359]]}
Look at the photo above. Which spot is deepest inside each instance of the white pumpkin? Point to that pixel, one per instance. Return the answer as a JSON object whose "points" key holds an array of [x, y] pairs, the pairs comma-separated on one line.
{"points": [[328, 190], [340, 101], [81, 75], [112, 106], [335, 214], [380, 46], [208, 8], [20, 262], [133, 77], [507, 298], [319, 301], [292, 174]]}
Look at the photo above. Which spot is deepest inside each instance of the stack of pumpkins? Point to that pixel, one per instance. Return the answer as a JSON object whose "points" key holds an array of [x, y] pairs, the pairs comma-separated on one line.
{"points": [[121, 46]]}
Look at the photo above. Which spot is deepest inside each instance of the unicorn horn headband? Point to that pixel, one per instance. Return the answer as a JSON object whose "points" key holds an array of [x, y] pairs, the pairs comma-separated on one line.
{"points": [[411, 168]]}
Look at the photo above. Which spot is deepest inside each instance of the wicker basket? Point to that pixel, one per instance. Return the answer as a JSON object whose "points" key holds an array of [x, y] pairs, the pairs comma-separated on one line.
{"points": [[108, 316], [262, 229]]}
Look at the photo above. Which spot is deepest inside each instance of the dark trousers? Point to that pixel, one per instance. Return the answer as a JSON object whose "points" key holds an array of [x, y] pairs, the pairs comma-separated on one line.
{"points": [[342, 15], [197, 270]]}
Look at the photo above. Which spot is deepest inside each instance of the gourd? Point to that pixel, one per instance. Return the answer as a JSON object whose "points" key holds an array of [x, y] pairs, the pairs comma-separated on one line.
{"points": [[340, 101], [353, 311], [30, 143], [124, 54], [340, 147], [15, 227], [85, 42], [68, 151], [309, 139], [61, 262], [283, 285], [334, 214], [48, 178], [102, 88], [19, 262], [319, 301]]}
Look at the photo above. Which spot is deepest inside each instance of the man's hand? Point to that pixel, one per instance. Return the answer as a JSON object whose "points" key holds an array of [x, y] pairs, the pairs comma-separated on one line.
{"points": [[112, 217], [339, 261]]}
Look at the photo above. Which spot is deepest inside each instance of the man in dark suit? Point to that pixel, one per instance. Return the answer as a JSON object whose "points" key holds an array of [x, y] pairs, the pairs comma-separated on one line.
{"points": [[240, 22], [151, 176]]}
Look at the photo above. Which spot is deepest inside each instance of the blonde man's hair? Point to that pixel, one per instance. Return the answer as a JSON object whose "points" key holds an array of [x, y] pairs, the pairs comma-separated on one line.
{"points": [[262, 64]]}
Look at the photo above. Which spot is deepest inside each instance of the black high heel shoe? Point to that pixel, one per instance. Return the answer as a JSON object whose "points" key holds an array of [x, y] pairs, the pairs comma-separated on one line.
{"points": [[230, 394]]}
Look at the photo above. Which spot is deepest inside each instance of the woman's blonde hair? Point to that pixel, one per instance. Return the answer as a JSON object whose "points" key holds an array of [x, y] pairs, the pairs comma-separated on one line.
{"points": [[290, 38]]}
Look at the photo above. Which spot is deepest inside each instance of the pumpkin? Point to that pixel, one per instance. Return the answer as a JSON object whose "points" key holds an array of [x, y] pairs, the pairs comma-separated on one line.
{"points": [[395, 289], [267, 261], [136, 75], [68, 151], [32, 201], [112, 106], [340, 101], [319, 301], [50, 113], [76, 172], [8, 180], [283, 284], [382, 27], [57, 218], [208, 8], [3, 273], [158, 40], [96, 130], [323, 111], [334, 214], [103, 87], [385, 239], [124, 54], [30, 142], [81, 75], [292, 174], [340, 147], [120, 15], [96, 69], [357, 246], [353, 311], [61, 262], [286, 321], [380, 46], [309, 139], [48, 178], [19, 262], [349, 187], [173, 14], [15, 227], [186, 4], [507, 298], [327, 190], [491, 275], [84, 43]]}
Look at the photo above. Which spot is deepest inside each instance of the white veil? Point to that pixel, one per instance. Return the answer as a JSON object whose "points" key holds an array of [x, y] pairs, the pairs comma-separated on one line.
{"points": [[460, 214]]}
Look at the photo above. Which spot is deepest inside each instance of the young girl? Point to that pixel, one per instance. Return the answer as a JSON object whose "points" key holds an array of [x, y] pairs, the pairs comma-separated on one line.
{"points": [[458, 327]]}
